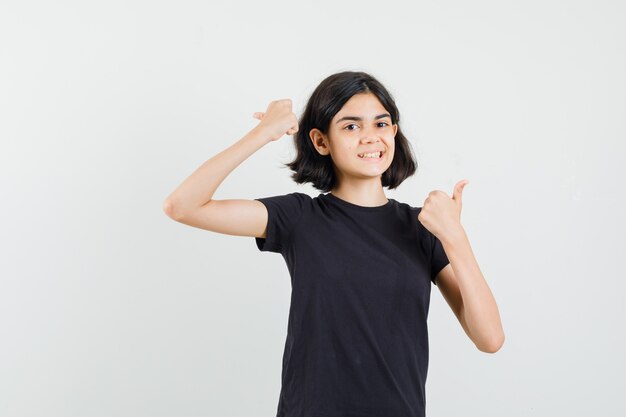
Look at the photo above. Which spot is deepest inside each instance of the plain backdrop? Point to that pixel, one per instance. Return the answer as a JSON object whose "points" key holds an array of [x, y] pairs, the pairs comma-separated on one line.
{"points": [[110, 308]]}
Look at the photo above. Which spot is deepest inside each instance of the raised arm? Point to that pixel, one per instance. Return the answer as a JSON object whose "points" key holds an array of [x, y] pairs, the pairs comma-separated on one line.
{"points": [[191, 202]]}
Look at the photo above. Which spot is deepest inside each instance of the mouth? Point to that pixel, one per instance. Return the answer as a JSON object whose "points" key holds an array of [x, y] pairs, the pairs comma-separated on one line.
{"points": [[374, 156]]}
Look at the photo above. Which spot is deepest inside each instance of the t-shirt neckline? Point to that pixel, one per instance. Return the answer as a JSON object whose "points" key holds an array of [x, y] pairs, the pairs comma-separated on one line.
{"points": [[353, 206]]}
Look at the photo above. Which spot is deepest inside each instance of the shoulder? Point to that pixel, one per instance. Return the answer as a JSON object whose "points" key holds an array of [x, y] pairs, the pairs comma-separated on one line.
{"points": [[294, 198], [286, 206], [409, 211], [426, 238], [406, 206]]}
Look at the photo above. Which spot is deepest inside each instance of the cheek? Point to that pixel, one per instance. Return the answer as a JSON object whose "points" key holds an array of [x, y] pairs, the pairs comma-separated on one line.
{"points": [[390, 153], [347, 150]]}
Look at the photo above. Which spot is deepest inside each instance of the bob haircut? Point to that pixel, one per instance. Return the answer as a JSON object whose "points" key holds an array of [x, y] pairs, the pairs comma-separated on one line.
{"points": [[326, 101]]}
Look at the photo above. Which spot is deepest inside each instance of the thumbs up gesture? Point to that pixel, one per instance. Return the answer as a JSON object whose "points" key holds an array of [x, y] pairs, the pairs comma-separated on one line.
{"points": [[441, 215]]}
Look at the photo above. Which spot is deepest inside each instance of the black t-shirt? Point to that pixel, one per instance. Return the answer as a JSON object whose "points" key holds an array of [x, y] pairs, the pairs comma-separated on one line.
{"points": [[357, 338]]}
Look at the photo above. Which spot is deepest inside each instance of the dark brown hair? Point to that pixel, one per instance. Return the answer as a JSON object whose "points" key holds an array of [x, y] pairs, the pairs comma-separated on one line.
{"points": [[325, 101]]}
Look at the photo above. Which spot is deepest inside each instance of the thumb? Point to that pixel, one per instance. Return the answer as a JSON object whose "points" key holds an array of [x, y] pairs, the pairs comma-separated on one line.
{"points": [[258, 115], [458, 190]]}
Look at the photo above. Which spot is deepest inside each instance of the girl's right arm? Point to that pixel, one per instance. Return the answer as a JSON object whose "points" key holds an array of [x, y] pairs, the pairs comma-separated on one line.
{"points": [[191, 202]]}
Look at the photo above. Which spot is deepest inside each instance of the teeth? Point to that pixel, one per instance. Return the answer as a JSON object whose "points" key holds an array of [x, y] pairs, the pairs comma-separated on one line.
{"points": [[370, 155]]}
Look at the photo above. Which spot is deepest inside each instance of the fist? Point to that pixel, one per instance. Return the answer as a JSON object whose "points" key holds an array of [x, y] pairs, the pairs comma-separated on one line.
{"points": [[278, 120], [441, 214]]}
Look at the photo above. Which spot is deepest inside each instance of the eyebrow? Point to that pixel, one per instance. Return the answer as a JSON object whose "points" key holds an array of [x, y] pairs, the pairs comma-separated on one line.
{"points": [[358, 119]]}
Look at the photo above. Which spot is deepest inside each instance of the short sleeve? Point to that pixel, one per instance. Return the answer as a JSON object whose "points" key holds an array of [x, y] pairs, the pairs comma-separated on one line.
{"points": [[438, 259], [283, 212]]}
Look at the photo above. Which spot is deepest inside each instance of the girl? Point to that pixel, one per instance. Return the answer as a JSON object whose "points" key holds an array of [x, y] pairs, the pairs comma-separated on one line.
{"points": [[361, 265]]}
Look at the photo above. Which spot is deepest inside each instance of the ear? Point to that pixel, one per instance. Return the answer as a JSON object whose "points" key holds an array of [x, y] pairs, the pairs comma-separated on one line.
{"points": [[395, 130], [320, 141]]}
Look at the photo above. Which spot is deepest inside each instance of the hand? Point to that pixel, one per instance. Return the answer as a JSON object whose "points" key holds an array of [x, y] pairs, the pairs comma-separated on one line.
{"points": [[441, 215], [278, 119]]}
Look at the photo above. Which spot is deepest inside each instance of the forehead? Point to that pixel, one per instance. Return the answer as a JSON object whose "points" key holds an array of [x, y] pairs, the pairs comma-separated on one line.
{"points": [[362, 104]]}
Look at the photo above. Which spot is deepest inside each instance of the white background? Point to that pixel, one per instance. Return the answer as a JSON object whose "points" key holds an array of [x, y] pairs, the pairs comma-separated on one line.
{"points": [[110, 308]]}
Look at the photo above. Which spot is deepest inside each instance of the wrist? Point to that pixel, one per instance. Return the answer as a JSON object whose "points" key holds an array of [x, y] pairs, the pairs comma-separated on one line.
{"points": [[454, 236], [259, 134]]}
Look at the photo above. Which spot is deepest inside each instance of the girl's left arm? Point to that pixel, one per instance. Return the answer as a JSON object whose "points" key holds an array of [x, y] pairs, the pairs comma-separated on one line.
{"points": [[463, 286], [461, 282]]}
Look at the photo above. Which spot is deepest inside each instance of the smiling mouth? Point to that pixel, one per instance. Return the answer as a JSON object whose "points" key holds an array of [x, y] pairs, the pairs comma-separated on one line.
{"points": [[374, 156]]}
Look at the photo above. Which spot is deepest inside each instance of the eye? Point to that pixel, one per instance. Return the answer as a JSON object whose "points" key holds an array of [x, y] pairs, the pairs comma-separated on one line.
{"points": [[352, 124]]}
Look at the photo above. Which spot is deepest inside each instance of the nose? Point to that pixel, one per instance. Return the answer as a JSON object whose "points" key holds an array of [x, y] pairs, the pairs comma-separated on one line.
{"points": [[369, 135]]}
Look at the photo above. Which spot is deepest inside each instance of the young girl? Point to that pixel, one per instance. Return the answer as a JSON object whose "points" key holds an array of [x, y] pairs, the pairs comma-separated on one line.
{"points": [[361, 264]]}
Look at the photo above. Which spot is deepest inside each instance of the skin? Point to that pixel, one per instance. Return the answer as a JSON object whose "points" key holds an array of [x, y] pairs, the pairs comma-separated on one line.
{"points": [[358, 180], [461, 282]]}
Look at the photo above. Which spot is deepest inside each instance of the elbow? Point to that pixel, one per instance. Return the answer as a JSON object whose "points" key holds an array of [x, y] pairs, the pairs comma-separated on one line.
{"points": [[170, 209], [493, 345]]}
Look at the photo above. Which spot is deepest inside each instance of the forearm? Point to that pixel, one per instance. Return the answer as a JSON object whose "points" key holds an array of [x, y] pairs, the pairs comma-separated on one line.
{"points": [[197, 189], [480, 310]]}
